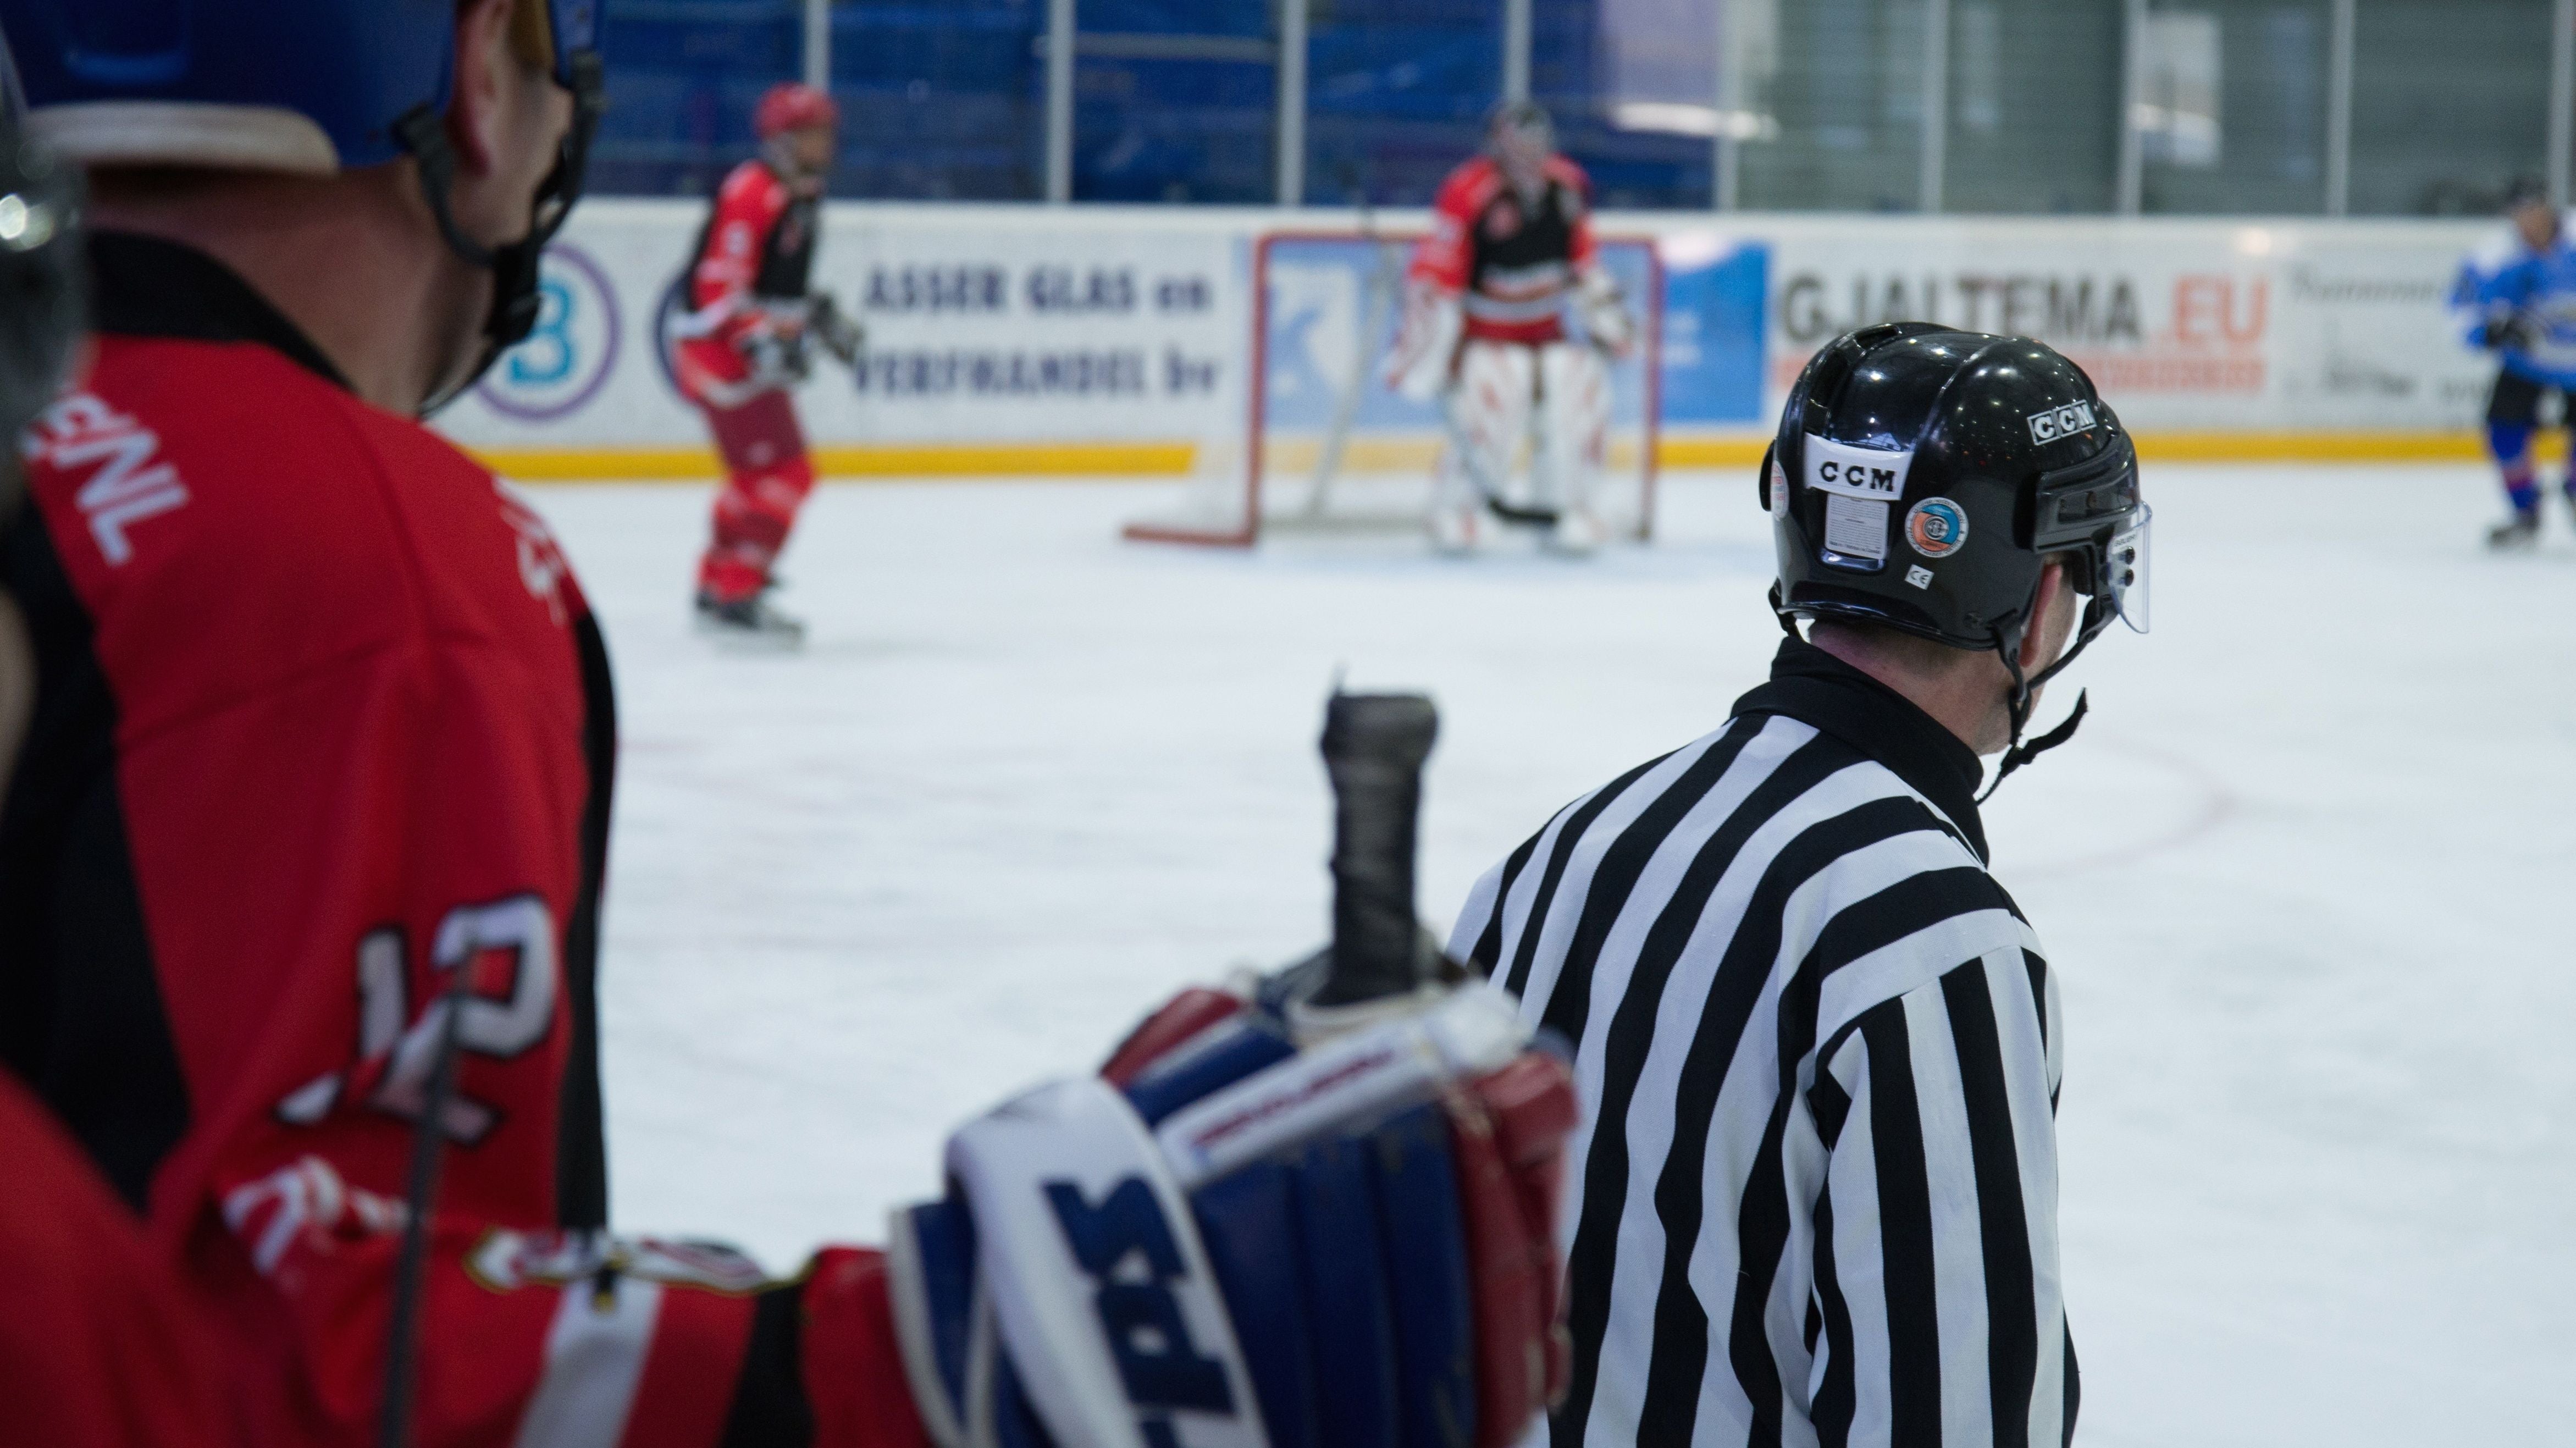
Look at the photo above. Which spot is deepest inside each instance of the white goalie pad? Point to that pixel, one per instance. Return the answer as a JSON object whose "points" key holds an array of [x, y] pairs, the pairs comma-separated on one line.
{"points": [[1489, 412], [1342, 416], [1574, 423]]}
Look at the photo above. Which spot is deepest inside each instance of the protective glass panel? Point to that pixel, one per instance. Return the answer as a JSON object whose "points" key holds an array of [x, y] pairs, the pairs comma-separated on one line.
{"points": [[2450, 102], [2231, 106], [1835, 90], [1174, 101], [682, 82], [1396, 95], [940, 102], [2033, 109], [1632, 85]]}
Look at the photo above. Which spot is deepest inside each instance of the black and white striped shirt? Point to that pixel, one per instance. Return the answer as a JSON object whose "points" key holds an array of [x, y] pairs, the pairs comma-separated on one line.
{"points": [[1815, 1191]]}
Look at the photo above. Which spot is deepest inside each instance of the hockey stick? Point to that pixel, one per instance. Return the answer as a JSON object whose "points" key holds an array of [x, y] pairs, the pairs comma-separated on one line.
{"points": [[1374, 746], [420, 1195], [1487, 489]]}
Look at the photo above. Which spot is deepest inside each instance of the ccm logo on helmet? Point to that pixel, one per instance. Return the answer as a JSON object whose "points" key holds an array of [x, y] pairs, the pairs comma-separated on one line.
{"points": [[2057, 422], [1856, 472]]}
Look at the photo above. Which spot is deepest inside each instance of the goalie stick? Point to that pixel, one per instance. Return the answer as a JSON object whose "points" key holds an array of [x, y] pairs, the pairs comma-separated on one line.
{"points": [[1374, 746]]}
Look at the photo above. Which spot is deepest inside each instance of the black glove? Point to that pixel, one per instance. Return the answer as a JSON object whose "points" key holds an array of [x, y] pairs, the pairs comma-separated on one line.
{"points": [[839, 335], [2508, 332]]}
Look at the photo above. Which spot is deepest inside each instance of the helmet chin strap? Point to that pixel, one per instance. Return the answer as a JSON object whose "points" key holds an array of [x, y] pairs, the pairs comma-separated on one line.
{"points": [[2097, 616], [513, 264]]}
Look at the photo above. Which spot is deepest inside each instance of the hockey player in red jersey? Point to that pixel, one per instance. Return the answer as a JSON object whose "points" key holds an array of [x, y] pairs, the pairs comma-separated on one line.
{"points": [[101, 1346], [1484, 336], [743, 342], [300, 874]]}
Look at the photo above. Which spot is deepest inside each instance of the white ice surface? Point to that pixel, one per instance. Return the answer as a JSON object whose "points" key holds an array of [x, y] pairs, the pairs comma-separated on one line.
{"points": [[2305, 875]]}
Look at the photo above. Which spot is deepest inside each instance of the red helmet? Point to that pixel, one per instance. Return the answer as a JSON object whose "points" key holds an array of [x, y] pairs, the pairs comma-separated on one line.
{"points": [[792, 106]]}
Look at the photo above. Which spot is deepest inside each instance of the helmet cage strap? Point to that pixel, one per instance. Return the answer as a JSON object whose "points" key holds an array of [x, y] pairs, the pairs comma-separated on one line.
{"points": [[515, 264], [2098, 614]]}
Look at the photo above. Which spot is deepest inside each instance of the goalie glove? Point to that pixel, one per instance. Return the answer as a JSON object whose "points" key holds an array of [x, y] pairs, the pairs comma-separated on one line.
{"points": [[829, 325], [1603, 311], [1425, 354], [1254, 1230]]}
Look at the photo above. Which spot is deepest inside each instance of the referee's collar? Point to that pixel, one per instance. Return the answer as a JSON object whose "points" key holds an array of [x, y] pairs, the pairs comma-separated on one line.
{"points": [[1813, 687]]}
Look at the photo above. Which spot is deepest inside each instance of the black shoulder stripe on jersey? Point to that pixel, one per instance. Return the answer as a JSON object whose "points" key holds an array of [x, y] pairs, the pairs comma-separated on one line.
{"points": [[1828, 1102], [1837, 1396], [1614, 878], [581, 1144], [1735, 990], [1487, 952], [770, 1408], [1631, 1036], [82, 1019], [2038, 970], [1905, 1231], [1566, 839], [2012, 1324], [1917, 902], [2074, 1388]]}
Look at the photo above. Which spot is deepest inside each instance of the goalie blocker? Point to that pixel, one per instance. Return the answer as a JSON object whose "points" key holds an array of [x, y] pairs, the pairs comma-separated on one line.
{"points": [[1316, 1211], [1228, 1241]]}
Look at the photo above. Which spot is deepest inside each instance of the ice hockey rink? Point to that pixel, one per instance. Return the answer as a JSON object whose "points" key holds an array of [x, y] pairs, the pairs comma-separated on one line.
{"points": [[2304, 875]]}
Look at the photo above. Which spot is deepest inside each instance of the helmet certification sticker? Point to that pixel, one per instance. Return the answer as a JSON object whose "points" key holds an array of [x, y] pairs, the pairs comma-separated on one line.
{"points": [[1779, 490], [1856, 528], [1936, 527], [1919, 576]]}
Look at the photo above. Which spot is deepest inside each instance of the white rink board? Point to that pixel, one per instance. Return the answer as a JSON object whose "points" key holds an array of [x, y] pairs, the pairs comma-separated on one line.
{"points": [[2303, 874], [999, 325]]}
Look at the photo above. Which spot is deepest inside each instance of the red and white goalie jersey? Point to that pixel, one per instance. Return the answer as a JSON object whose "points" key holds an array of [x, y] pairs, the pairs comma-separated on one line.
{"points": [[1509, 258]]}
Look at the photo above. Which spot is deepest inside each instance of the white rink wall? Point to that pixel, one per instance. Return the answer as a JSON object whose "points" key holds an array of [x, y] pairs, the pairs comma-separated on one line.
{"points": [[1116, 340]]}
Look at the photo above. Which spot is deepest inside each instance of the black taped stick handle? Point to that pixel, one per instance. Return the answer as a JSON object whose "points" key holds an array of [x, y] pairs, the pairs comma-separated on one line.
{"points": [[1374, 747]]}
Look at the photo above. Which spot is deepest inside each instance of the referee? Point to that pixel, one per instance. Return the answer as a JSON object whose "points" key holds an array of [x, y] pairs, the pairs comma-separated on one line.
{"points": [[1818, 1045]]}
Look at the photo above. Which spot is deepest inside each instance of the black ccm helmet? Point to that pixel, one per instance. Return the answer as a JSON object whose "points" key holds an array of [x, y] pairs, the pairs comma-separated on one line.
{"points": [[1922, 475]]}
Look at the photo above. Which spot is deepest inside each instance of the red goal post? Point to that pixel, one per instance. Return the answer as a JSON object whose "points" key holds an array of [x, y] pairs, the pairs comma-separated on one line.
{"points": [[1324, 305]]}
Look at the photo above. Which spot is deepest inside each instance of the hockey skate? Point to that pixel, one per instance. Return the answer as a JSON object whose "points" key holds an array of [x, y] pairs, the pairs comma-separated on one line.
{"points": [[1456, 529], [2517, 533], [1578, 533], [749, 624]]}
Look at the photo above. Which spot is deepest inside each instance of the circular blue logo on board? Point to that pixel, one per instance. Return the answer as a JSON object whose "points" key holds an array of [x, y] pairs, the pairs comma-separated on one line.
{"points": [[567, 356], [1936, 527]]}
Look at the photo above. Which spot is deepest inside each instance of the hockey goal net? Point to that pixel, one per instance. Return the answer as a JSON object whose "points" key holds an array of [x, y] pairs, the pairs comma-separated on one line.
{"points": [[1317, 443]]}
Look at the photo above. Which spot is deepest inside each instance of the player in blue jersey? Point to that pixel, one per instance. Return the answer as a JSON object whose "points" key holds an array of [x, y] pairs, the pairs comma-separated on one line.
{"points": [[2521, 297]]}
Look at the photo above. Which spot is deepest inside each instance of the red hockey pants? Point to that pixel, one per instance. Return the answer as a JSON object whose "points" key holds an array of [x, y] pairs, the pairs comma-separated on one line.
{"points": [[767, 476]]}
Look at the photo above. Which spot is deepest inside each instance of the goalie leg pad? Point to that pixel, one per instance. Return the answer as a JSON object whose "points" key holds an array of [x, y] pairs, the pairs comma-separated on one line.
{"points": [[1489, 410], [1574, 398]]}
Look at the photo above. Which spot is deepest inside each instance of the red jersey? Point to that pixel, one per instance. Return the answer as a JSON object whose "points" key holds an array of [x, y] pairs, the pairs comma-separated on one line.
{"points": [[1513, 260], [756, 251], [324, 739], [99, 1346]]}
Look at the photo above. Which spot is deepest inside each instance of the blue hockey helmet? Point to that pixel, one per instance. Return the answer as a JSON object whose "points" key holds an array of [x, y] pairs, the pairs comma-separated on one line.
{"points": [[304, 86], [290, 85]]}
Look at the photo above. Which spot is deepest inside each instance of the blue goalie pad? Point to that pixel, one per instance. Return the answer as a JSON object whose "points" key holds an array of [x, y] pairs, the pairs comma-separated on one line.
{"points": [[1015, 1422], [1241, 1048], [1346, 1295], [943, 1240], [1245, 1221], [1427, 1276]]}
